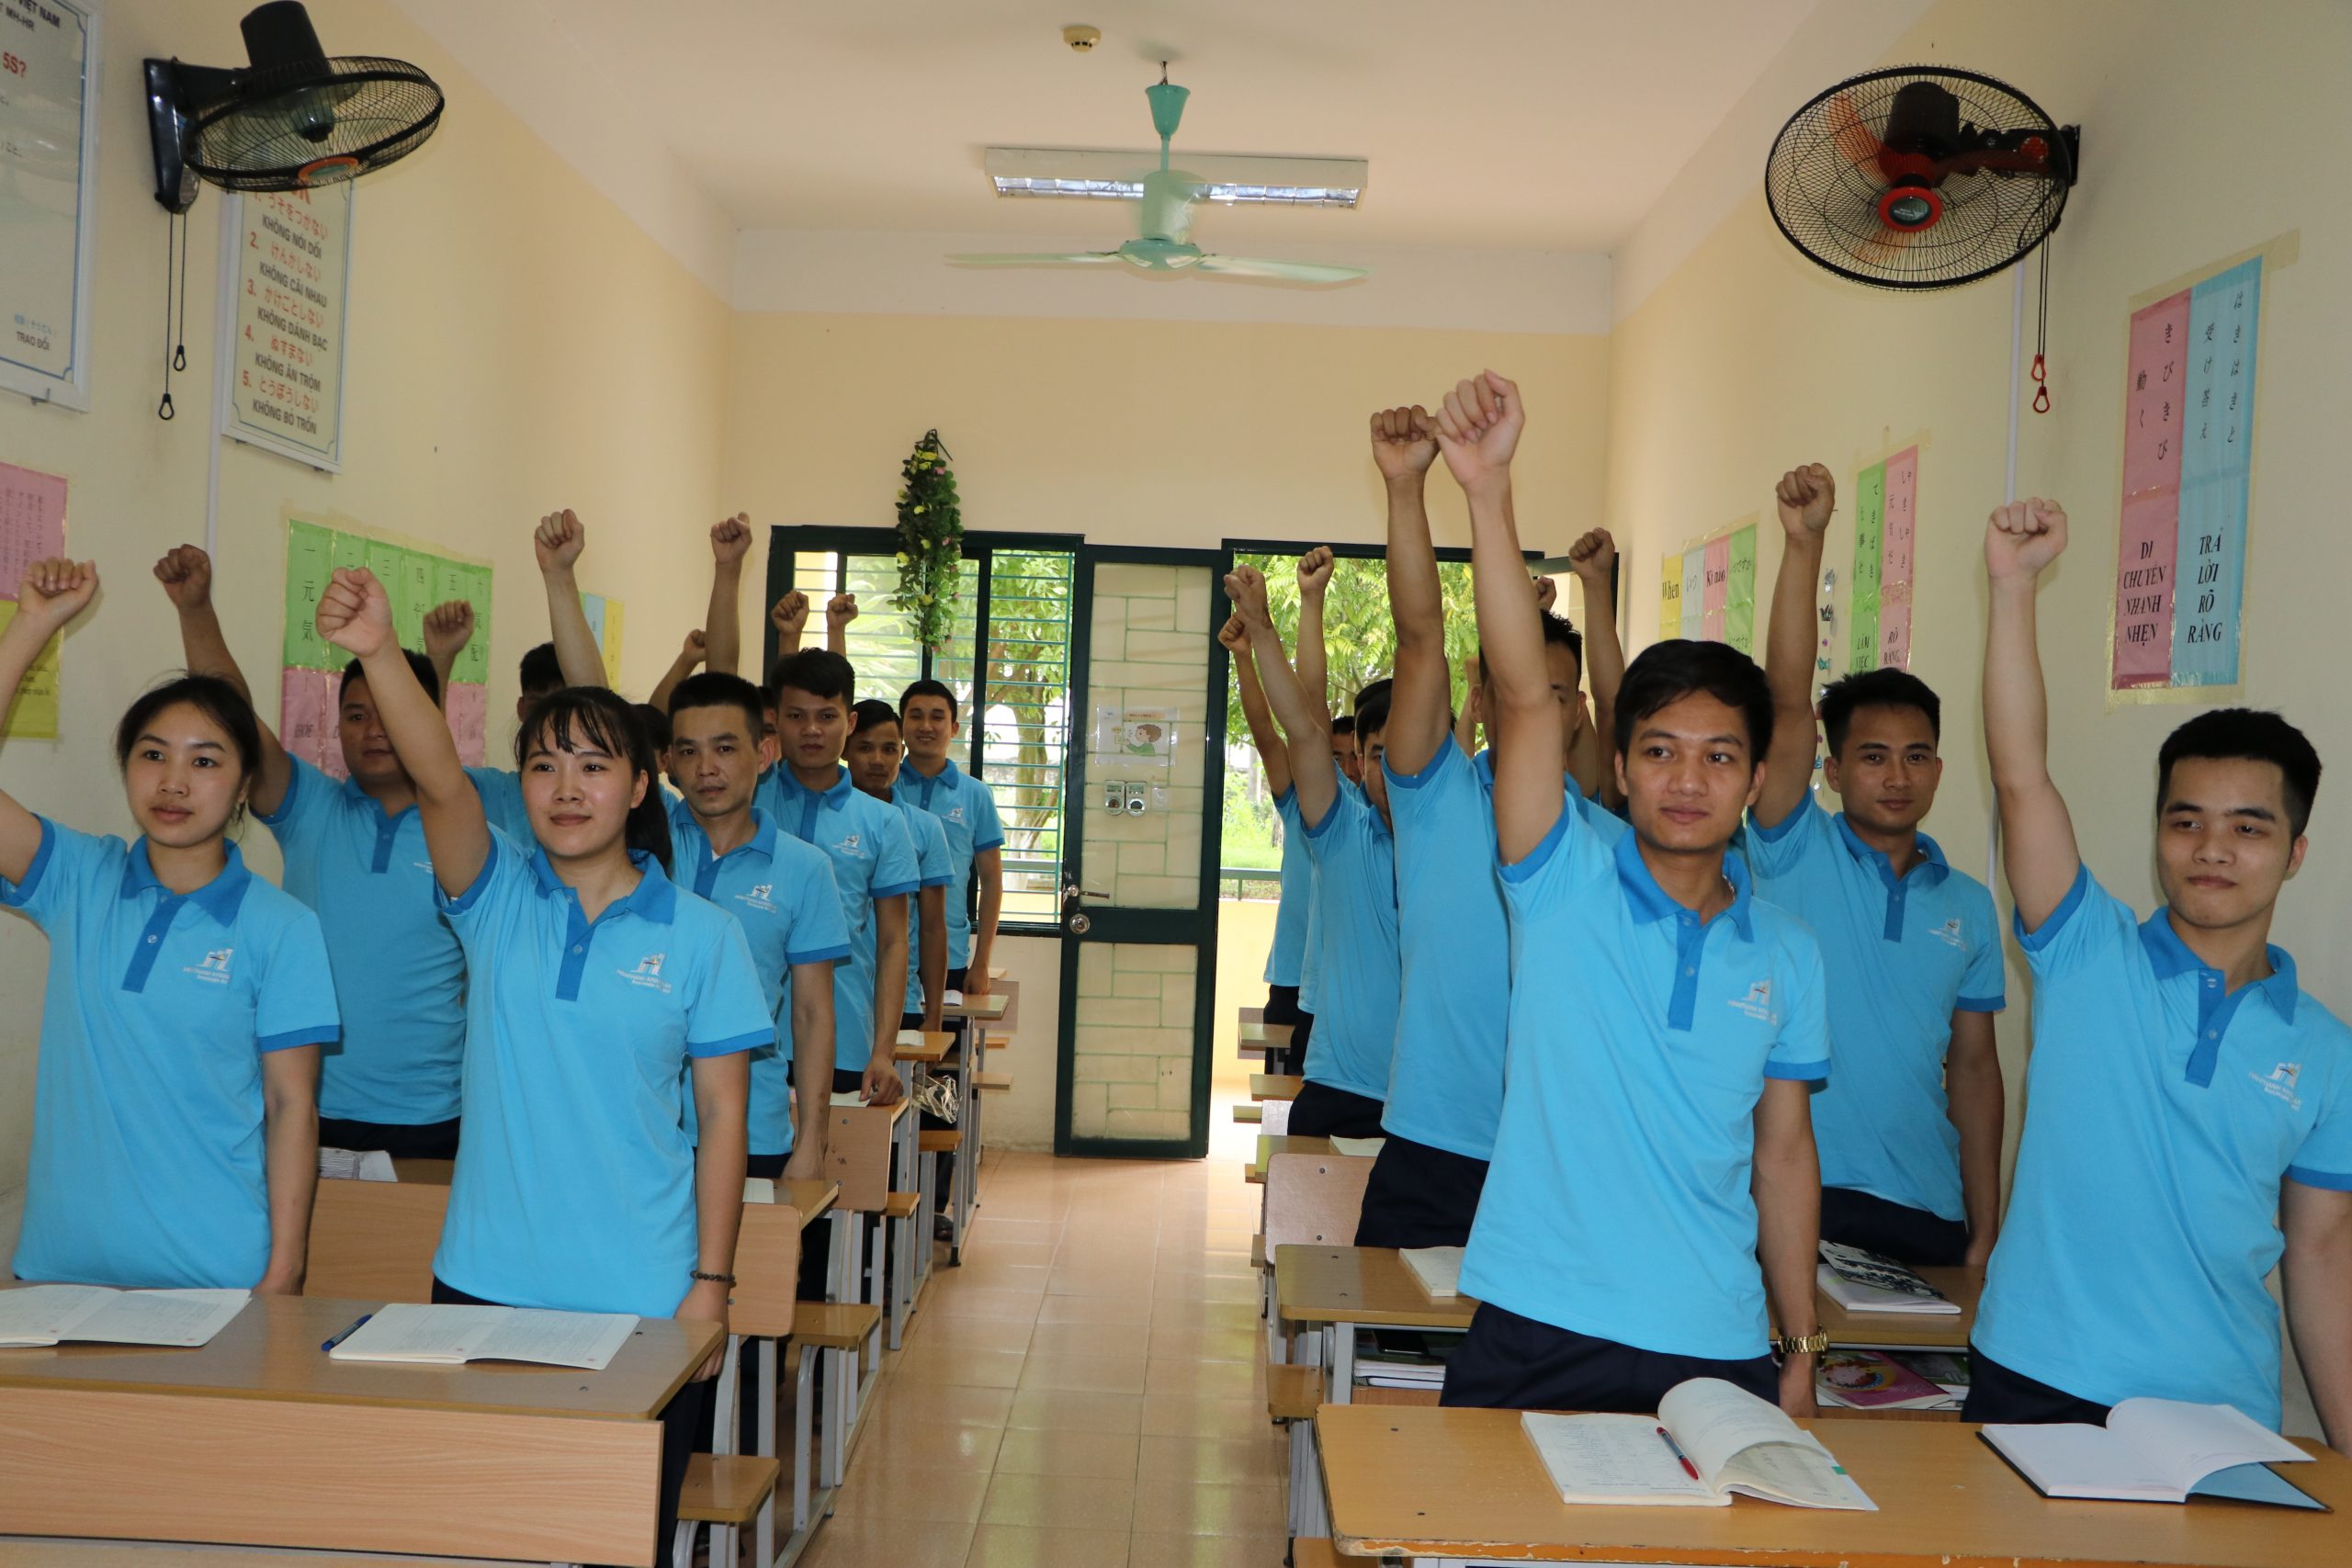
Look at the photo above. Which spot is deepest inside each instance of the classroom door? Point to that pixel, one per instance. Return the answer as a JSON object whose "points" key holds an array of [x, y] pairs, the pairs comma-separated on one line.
{"points": [[1140, 874]]}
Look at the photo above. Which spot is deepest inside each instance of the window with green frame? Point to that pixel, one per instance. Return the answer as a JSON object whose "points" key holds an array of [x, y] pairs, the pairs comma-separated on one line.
{"points": [[1007, 660]]}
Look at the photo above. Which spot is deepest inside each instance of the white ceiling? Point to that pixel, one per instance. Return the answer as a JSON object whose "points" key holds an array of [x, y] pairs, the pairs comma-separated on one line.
{"points": [[1519, 124]]}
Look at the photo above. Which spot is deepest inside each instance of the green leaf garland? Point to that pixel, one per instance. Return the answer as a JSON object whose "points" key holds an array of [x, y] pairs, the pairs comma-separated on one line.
{"points": [[930, 542]]}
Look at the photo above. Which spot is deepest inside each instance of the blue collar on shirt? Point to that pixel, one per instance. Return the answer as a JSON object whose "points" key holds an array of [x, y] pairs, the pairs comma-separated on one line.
{"points": [[833, 798], [925, 783], [1651, 903], [219, 897], [2170, 958], [388, 823], [1934, 869], [655, 896]]}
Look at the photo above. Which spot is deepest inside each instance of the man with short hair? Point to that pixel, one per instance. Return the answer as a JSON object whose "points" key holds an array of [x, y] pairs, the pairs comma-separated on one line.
{"points": [[932, 721], [1910, 1130], [2188, 1118]]}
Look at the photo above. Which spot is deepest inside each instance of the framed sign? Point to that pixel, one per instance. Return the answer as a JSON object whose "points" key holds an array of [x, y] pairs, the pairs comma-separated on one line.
{"points": [[49, 71], [286, 263]]}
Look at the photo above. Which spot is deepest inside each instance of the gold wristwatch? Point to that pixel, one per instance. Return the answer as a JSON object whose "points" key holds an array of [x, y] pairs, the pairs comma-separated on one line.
{"points": [[1803, 1345]]}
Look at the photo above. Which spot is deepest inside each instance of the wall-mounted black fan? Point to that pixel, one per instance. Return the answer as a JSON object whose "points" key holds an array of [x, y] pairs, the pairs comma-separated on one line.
{"points": [[292, 118], [1919, 177]]}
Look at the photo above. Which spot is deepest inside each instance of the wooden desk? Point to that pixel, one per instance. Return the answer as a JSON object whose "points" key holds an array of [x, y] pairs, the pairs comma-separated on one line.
{"points": [[924, 1045], [813, 1199], [1454, 1485], [259, 1438], [1333, 1291], [1275, 1086], [989, 1008], [1270, 1144], [1909, 1330]]}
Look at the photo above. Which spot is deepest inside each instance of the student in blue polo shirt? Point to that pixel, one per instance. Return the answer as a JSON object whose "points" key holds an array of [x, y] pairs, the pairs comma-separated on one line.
{"points": [[599, 991], [1910, 1128], [781, 891], [810, 796], [1355, 889], [966, 808], [354, 850], [175, 1112], [2189, 1107], [872, 756], [1445, 1077], [1293, 914], [1666, 1026]]}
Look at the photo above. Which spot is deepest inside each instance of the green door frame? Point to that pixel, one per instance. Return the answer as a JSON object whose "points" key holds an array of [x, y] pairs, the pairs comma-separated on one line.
{"points": [[1195, 928]]}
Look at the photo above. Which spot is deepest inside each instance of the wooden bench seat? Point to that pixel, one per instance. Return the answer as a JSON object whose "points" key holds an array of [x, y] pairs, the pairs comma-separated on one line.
{"points": [[940, 1140], [1275, 1086], [987, 1082], [1315, 1552], [1293, 1391], [1248, 1114], [727, 1489], [834, 1326], [901, 1206]]}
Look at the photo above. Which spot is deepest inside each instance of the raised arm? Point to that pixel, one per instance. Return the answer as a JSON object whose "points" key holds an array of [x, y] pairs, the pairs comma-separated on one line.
{"points": [[840, 611], [1306, 722], [1807, 498], [447, 628], [730, 541], [1404, 444], [1314, 671], [690, 653], [186, 576], [1593, 558], [557, 544], [354, 615], [53, 591], [789, 616], [2038, 847], [1272, 754], [1472, 715], [1478, 430]]}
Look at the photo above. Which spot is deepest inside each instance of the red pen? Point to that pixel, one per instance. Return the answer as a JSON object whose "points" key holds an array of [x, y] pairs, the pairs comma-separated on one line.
{"points": [[1676, 1449]]}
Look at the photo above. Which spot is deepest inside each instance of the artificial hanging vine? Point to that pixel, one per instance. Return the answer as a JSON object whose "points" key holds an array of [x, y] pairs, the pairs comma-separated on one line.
{"points": [[931, 541]]}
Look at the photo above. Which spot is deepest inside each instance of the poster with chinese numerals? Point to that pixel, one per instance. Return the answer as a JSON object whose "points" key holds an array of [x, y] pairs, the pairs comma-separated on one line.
{"points": [[282, 330], [1707, 593], [2188, 486], [33, 527], [1886, 504], [414, 581]]}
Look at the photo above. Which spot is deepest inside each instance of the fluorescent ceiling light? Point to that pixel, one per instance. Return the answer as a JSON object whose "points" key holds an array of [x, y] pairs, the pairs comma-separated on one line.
{"points": [[1108, 175]]}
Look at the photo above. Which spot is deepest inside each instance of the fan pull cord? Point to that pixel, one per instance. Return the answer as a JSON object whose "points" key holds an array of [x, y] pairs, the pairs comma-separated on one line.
{"points": [[2042, 337], [175, 320]]}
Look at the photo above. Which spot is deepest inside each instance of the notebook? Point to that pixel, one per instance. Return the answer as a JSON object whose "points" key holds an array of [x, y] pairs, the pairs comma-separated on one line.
{"points": [[1864, 1282], [452, 1336], [1864, 1379], [1438, 1269], [2155, 1451], [1708, 1440], [1360, 1147], [52, 1315], [758, 1190], [356, 1165]]}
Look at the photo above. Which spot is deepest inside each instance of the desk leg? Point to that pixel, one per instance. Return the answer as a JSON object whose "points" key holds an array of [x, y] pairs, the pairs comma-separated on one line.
{"points": [[1308, 1515], [804, 1414], [764, 1379], [723, 1423], [1339, 1355], [1277, 1342]]}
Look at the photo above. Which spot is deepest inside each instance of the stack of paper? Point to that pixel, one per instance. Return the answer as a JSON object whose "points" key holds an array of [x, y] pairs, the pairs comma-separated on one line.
{"points": [[52, 1314], [1438, 1269]]}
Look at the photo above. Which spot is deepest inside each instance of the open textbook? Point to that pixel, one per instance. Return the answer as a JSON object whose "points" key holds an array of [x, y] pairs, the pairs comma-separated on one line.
{"points": [[1731, 1440], [52, 1314], [451, 1335], [2155, 1451]]}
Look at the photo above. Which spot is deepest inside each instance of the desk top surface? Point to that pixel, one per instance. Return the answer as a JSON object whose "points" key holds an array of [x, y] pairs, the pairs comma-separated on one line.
{"points": [[1424, 1481], [1275, 1086], [988, 1008], [1925, 1330], [811, 1198], [271, 1351], [924, 1045], [1359, 1284]]}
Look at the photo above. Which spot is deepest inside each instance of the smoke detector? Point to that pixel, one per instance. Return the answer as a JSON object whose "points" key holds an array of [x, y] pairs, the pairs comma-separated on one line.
{"points": [[1082, 38]]}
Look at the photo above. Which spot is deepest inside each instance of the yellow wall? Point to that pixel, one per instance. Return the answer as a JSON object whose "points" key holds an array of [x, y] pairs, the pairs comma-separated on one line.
{"points": [[1747, 360], [515, 344]]}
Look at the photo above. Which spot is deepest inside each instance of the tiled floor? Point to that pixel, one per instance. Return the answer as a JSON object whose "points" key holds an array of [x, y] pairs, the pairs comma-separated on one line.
{"points": [[1088, 1389]]}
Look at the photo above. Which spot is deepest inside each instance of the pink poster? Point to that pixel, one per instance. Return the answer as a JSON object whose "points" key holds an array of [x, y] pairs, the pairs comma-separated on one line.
{"points": [[467, 708], [1898, 552], [306, 718], [1717, 589], [2149, 545], [32, 521]]}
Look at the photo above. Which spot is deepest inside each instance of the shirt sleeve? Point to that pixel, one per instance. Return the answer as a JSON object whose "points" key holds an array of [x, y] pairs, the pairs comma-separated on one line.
{"points": [[935, 867], [2089, 926], [988, 828], [297, 1005], [727, 1011], [467, 911], [52, 884], [819, 934], [1985, 987], [1780, 849], [1571, 842], [299, 811], [1801, 1050], [896, 869], [1338, 826]]}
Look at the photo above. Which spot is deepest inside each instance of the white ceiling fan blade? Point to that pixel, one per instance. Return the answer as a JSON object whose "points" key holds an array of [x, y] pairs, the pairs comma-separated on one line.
{"points": [[1287, 271], [1065, 258]]}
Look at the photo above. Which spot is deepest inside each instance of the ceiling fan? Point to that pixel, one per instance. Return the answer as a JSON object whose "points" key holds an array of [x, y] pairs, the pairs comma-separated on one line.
{"points": [[1164, 241]]}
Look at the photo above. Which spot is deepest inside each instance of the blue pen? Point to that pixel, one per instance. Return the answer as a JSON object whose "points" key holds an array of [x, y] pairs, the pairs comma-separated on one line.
{"points": [[1676, 1449], [348, 1332]]}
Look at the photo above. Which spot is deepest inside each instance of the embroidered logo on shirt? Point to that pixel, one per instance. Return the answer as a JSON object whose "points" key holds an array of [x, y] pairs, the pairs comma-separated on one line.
{"points": [[848, 845], [2280, 1084], [1758, 1002], [955, 814], [1951, 934], [214, 970], [758, 896], [647, 973]]}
